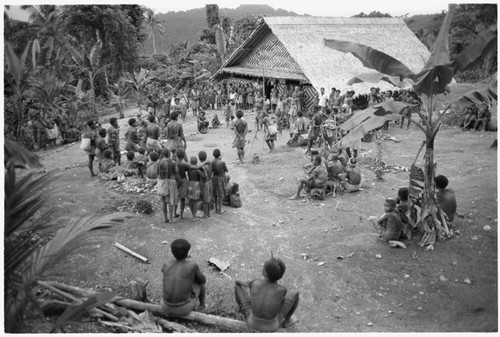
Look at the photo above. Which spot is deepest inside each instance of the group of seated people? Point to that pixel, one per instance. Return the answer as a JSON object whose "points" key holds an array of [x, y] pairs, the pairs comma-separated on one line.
{"points": [[398, 221], [334, 173], [266, 305], [477, 115]]}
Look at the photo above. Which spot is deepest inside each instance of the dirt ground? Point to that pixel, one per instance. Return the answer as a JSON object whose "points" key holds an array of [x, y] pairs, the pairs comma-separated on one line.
{"points": [[343, 286]]}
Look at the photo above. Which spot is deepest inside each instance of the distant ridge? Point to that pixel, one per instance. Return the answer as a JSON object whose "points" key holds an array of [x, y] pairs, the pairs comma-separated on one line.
{"points": [[187, 25]]}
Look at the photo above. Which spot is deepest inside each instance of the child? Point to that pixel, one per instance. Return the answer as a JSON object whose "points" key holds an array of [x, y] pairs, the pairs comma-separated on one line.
{"points": [[182, 183], [100, 144], [152, 168], [219, 187], [206, 185], [142, 156], [132, 164], [268, 305], [193, 190], [183, 282], [388, 224], [107, 162], [445, 197], [167, 185], [404, 211]]}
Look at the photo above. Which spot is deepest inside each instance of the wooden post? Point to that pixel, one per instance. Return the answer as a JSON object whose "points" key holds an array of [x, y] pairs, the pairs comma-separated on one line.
{"points": [[134, 254]]}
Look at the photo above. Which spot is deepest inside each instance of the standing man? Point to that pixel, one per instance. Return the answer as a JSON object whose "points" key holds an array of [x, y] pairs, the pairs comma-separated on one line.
{"points": [[175, 134], [92, 134], [240, 130], [153, 135], [315, 129], [323, 99]]}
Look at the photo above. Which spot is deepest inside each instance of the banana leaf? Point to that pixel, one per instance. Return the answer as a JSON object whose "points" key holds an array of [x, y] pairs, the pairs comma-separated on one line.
{"points": [[440, 53], [377, 77], [371, 58], [487, 95], [482, 45]]}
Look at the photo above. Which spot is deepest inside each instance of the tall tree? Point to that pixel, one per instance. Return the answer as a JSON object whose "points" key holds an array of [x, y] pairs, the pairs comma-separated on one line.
{"points": [[153, 24]]}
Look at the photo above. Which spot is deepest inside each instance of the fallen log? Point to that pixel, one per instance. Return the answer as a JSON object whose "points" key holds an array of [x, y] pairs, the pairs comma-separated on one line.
{"points": [[131, 252], [231, 324], [172, 326]]}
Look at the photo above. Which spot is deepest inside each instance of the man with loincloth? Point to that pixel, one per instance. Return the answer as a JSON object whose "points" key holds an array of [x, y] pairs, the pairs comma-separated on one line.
{"points": [[316, 177], [114, 140], [206, 185], [182, 181], [175, 134], [240, 129], [315, 129], [153, 135], [183, 282], [132, 136], [218, 180], [267, 306], [167, 185]]}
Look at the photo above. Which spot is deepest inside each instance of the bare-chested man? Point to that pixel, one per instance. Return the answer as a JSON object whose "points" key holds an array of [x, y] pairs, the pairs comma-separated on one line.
{"points": [[167, 185], [153, 135], [352, 176], [183, 282], [269, 306], [240, 130]]}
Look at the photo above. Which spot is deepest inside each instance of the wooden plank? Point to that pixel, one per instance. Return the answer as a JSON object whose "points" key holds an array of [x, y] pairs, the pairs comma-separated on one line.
{"points": [[131, 252]]}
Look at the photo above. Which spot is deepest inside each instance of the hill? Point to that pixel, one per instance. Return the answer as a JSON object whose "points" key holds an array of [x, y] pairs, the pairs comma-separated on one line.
{"points": [[187, 25]]}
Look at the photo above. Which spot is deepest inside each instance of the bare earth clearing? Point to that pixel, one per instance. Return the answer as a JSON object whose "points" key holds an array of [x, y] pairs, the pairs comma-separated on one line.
{"points": [[410, 290]]}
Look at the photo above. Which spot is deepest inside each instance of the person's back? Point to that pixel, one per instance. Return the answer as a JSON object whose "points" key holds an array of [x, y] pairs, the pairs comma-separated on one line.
{"points": [[445, 197], [353, 175], [266, 298], [393, 226], [183, 282]]}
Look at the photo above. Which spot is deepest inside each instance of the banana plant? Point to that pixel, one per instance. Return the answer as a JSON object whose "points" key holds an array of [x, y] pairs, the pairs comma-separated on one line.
{"points": [[118, 95], [88, 64], [138, 81], [431, 81], [18, 72]]}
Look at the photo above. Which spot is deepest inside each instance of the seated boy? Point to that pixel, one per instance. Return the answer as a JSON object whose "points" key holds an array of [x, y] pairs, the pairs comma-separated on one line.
{"points": [[445, 197], [389, 224], [183, 282], [267, 306], [107, 162], [352, 176], [132, 164]]}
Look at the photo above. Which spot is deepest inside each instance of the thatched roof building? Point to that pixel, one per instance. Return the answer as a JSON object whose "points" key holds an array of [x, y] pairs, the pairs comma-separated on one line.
{"points": [[292, 49]]}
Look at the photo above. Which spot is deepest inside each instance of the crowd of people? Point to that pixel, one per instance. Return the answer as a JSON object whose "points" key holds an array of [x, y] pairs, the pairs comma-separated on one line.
{"points": [[477, 115]]}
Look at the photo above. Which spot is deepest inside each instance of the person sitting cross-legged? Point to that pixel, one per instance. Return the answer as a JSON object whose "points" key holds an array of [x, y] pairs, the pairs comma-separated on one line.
{"points": [[183, 282], [316, 177], [267, 306]]}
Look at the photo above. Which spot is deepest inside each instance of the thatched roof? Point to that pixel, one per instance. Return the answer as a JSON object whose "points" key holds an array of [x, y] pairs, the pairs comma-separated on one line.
{"points": [[302, 39]]}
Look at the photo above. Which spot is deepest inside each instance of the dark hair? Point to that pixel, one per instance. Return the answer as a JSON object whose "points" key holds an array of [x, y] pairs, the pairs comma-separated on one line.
{"points": [[174, 115], [216, 153], [390, 202], [154, 156], [179, 153], [300, 114], [202, 155], [112, 120], [151, 118], [141, 150], [239, 113], [131, 121], [107, 153], [180, 248], [403, 193], [193, 160], [130, 155], [275, 269], [102, 132], [441, 181], [317, 159], [90, 122], [165, 153]]}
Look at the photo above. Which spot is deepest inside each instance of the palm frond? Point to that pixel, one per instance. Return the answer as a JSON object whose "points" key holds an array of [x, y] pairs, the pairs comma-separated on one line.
{"points": [[19, 156]]}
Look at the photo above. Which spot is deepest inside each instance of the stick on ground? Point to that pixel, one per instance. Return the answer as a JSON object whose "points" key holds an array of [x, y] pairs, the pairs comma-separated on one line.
{"points": [[131, 252]]}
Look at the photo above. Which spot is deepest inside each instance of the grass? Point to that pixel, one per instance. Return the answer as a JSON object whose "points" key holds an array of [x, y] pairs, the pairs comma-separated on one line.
{"points": [[220, 298]]}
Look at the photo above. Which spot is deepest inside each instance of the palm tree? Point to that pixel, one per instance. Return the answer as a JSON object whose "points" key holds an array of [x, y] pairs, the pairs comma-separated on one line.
{"points": [[433, 80], [49, 21], [152, 23], [33, 244]]}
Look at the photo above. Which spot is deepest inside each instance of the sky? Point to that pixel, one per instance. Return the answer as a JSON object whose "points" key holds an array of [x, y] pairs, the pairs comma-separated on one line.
{"points": [[311, 7]]}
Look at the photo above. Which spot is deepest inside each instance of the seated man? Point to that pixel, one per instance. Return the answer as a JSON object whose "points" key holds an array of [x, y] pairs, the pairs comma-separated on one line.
{"points": [[483, 116], [107, 162], [183, 282], [269, 306], [316, 177], [352, 176], [445, 197], [202, 122], [389, 224]]}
